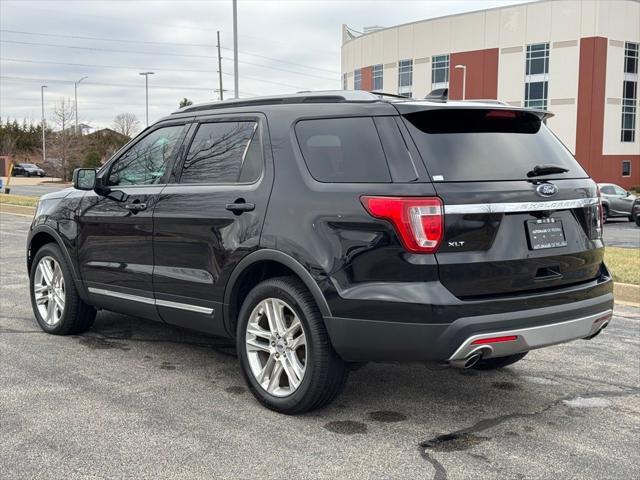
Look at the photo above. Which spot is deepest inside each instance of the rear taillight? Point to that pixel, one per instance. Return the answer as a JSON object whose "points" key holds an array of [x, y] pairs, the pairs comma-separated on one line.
{"points": [[600, 214], [418, 221]]}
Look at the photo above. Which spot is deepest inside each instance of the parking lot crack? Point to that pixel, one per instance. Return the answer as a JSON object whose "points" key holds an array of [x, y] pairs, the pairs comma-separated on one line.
{"points": [[466, 437]]}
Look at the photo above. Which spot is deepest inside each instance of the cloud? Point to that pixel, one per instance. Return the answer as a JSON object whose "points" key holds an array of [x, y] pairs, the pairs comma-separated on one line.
{"points": [[284, 46]]}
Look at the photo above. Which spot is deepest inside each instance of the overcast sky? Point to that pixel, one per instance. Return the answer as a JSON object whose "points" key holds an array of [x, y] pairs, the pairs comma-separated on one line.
{"points": [[284, 46]]}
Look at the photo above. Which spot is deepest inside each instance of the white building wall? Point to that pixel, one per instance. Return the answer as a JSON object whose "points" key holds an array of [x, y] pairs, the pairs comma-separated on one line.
{"points": [[560, 22], [612, 144]]}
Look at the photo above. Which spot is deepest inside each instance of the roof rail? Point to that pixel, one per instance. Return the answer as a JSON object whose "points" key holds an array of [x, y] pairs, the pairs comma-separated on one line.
{"points": [[329, 96], [386, 94]]}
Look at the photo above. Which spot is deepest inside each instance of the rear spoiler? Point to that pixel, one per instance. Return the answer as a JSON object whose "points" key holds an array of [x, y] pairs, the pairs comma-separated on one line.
{"points": [[405, 108]]}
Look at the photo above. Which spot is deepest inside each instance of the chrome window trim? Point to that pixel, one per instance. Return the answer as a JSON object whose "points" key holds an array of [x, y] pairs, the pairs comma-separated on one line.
{"points": [[151, 301], [519, 206]]}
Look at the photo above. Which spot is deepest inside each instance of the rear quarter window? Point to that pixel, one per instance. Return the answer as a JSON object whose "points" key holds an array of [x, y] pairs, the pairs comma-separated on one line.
{"points": [[343, 150]]}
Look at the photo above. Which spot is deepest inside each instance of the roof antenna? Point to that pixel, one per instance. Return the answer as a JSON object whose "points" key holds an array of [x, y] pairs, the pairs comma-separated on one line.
{"points": [[439, 94]]}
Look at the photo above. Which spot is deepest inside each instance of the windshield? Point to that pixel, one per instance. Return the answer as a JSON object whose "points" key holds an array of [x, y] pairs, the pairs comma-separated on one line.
{"points": [[461, 145], [28, 165]]}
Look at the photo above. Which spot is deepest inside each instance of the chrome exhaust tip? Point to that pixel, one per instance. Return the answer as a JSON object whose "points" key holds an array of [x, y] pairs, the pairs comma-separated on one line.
{"points": [[470, 360]]}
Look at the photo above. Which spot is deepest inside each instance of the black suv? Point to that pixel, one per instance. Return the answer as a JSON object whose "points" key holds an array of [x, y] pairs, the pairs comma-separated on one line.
{"points": [[325, 229]]}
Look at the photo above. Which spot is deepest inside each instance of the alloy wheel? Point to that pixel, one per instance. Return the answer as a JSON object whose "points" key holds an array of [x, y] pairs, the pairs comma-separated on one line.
{"points": [[49, 290], [276, 347]]}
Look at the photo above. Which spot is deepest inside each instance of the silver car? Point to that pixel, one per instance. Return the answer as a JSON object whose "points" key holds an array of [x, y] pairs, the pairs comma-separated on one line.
{"points": [[616, 201]]}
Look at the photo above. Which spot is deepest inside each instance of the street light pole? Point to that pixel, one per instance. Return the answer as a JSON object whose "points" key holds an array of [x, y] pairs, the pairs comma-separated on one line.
{"points": [[235, 50], [464, 79], [146, 93], [44, 148], [75, 87]]}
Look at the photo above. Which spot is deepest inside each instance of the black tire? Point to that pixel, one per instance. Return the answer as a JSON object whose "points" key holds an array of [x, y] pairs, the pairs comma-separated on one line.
{"points": [[605, 213], [638, 220], [325, 373], [499, 362], [77, 316], [631, 219]]}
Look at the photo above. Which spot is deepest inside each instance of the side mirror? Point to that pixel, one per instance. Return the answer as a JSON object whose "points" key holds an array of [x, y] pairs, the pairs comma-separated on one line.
{"points": [[84, 178], [628, 194]]}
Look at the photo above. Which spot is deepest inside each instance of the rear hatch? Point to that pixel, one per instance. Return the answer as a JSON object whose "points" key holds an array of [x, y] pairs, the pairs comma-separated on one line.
{"points": [[509, 227]]}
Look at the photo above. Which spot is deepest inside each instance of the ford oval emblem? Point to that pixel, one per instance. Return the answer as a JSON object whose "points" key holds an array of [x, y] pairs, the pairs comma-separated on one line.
{"points": [[547, 190]]}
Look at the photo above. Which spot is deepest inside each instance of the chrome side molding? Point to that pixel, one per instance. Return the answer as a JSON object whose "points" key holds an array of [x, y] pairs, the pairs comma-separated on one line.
{"points": [[152, 301]]}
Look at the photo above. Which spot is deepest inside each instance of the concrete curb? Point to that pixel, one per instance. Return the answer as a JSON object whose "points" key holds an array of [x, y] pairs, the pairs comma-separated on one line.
{"points": [[627, 294]]}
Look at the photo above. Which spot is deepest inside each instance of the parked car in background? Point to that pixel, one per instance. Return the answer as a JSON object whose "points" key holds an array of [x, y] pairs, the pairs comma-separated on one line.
{"points": [[325, 229], [28, 170], [635, 211], [616, 201]]}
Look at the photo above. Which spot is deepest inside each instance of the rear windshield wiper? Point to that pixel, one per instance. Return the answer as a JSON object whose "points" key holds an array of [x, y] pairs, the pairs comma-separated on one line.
{"points": [[546, 170]]}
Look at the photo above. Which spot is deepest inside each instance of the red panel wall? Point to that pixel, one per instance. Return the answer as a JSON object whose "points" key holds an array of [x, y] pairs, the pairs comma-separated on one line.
{"points": [[367, 78], [482, 74], [590, 120]]}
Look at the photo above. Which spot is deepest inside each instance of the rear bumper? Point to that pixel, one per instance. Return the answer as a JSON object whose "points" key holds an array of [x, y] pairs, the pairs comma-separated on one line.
{"points": [[435, 340], [510, 342]]}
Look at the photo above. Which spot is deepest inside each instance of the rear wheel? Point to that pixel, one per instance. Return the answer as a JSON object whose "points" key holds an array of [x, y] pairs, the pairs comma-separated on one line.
{"points": [[638, 220], [284, 349], [54, 299], [498, 362], [605, 213]]}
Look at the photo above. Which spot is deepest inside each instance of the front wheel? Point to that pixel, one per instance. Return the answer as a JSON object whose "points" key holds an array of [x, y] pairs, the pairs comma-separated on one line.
{"points": [[284, 349], [498, 362], [54, 299]]}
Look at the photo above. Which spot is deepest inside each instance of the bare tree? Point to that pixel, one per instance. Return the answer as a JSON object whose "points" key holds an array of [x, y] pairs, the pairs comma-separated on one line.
{"points": [[185, 102], [63, 116], [126, 124]]}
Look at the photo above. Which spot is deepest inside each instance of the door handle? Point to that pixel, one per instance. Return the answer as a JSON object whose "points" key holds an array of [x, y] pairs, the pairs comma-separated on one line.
{"points": [[135, 207], [240, 207]]}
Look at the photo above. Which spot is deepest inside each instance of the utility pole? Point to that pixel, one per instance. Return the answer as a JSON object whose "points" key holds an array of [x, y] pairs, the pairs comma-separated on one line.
{"points": [[235, 50], [44, 148], [220, 68], [75, 85], [146, 93]]}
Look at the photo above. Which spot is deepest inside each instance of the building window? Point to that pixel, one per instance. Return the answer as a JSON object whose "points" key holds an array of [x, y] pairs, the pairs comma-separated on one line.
{"points": [[405, 77], [629, 92], [626, 168], [439, 72], [344, 81], [377, 78], [357, 79], [536, 80]]}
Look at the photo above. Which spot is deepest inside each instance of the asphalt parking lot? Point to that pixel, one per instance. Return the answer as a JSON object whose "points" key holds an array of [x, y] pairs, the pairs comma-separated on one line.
{"points": [[621, 233], [136, 399]]}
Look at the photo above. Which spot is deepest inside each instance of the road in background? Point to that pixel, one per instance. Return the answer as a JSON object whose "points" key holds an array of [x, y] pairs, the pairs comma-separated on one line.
{"points": [[137, 399]]}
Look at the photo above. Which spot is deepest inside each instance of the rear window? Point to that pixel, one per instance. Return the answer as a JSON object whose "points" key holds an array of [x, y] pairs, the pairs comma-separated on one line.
{"points": [[343, 150], [461, 145]]}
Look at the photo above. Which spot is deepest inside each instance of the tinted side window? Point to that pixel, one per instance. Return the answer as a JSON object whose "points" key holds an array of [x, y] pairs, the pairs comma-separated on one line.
{"points": [[146, 161], [218, 152], [619, 190], [608, 190], [343, 150]]}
